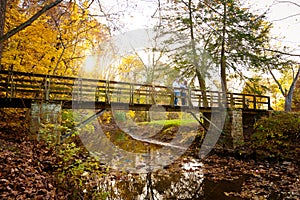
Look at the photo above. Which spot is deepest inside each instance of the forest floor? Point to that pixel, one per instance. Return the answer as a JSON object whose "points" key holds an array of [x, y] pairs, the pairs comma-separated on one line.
{"points": [[26, 171]]}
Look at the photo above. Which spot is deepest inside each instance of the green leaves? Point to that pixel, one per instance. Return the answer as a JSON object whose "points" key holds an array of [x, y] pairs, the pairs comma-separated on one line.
{"points": [[278, 135]]}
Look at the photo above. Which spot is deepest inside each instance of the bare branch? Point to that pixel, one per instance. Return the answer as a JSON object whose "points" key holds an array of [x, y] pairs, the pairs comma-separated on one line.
{"points": [[281, 52], [284, 18], [293, 85], [290, 2], [283, 92]]}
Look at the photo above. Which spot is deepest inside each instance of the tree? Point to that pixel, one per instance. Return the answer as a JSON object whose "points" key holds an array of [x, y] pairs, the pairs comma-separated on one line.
{"points": [[77, 33], [130, 69], [258, 85], [236, 42], [283, 70], [27, 23], [183, 46], [23, 25], [255, 85], [283, 61], [288, 92], [67, 33], [230, 34]]}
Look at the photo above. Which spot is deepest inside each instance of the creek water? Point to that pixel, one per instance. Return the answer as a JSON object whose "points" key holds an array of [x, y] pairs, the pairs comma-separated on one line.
{"points": [[153, 167], [153, 171], [184, 179]]}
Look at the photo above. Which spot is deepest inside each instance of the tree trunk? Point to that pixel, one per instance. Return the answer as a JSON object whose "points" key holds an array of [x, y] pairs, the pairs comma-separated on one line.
{"points": [[2, 23], [223, 59], [200, 77], [289, 95], [288, 103]]}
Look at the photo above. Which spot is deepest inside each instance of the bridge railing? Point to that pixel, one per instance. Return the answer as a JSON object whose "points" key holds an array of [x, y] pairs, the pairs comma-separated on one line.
{"points": [[48, 88]]}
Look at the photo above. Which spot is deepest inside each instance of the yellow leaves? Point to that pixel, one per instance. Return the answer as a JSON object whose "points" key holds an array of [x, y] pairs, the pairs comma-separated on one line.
{"points": [[131, 114], [129, 63], [56, 42]]}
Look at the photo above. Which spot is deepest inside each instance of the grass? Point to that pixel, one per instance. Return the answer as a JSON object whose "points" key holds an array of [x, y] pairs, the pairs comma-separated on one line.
{"points": [[172, 122]]}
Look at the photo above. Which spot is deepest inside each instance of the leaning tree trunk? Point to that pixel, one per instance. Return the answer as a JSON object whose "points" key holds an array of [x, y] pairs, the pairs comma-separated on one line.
{"points": [[289, 96], [196, 65]]}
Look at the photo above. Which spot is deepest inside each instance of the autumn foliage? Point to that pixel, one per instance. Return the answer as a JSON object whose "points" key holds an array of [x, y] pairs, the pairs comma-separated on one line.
{"points": [[56, 43]]}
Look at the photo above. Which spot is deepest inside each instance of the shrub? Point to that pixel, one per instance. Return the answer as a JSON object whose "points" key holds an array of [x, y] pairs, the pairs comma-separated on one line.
{"points": [[76, 173], [278, 135], [120, 116]]}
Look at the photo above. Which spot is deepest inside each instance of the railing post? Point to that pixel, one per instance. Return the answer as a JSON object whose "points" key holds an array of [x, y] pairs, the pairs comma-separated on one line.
{"points": [[47, 88], [97, 93], [211, 99], [138, 96], [254, 102], [79, 89], [221, 102], [231, 100], [153, 94], [172, 97], [149, 95], [199, 100], [269, 103], [131, 95], [119, 95], [189, 98], [107, 101], [12, 86]]}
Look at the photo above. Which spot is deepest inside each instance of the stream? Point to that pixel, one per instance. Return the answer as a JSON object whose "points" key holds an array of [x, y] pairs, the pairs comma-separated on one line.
{"points": [[184, 179], [147, 168], [159, 162]]}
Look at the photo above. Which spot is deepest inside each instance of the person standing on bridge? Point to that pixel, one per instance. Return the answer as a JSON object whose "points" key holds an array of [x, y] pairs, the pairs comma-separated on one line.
{"points": [[176, 87], [184, 88]]}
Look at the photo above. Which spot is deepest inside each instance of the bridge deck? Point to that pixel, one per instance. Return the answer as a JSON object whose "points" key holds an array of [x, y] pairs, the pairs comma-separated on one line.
{"points": [[19, 89]]}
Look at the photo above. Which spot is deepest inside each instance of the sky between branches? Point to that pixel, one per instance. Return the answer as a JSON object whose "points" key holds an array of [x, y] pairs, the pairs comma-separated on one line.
{"points": [[285, 17]]}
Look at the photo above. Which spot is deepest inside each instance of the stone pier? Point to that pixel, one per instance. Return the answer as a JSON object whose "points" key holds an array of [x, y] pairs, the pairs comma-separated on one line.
{"points": [[43, 114], [237, 127]]}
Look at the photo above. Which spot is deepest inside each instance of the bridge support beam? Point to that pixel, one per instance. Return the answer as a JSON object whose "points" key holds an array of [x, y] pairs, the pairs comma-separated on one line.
{"points": [[237, 133], [43, 114]]}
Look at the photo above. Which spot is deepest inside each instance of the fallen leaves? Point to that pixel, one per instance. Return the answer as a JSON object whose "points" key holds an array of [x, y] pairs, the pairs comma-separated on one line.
{"points": [[22, 175], [262, 180]]}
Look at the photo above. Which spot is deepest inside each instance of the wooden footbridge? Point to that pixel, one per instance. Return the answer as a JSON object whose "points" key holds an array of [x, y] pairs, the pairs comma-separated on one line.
{"points": [[20, 90]]}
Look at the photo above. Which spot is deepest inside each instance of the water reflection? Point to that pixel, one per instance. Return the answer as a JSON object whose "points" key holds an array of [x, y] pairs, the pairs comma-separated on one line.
{"points": [[128, 152], [182, 180]]}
